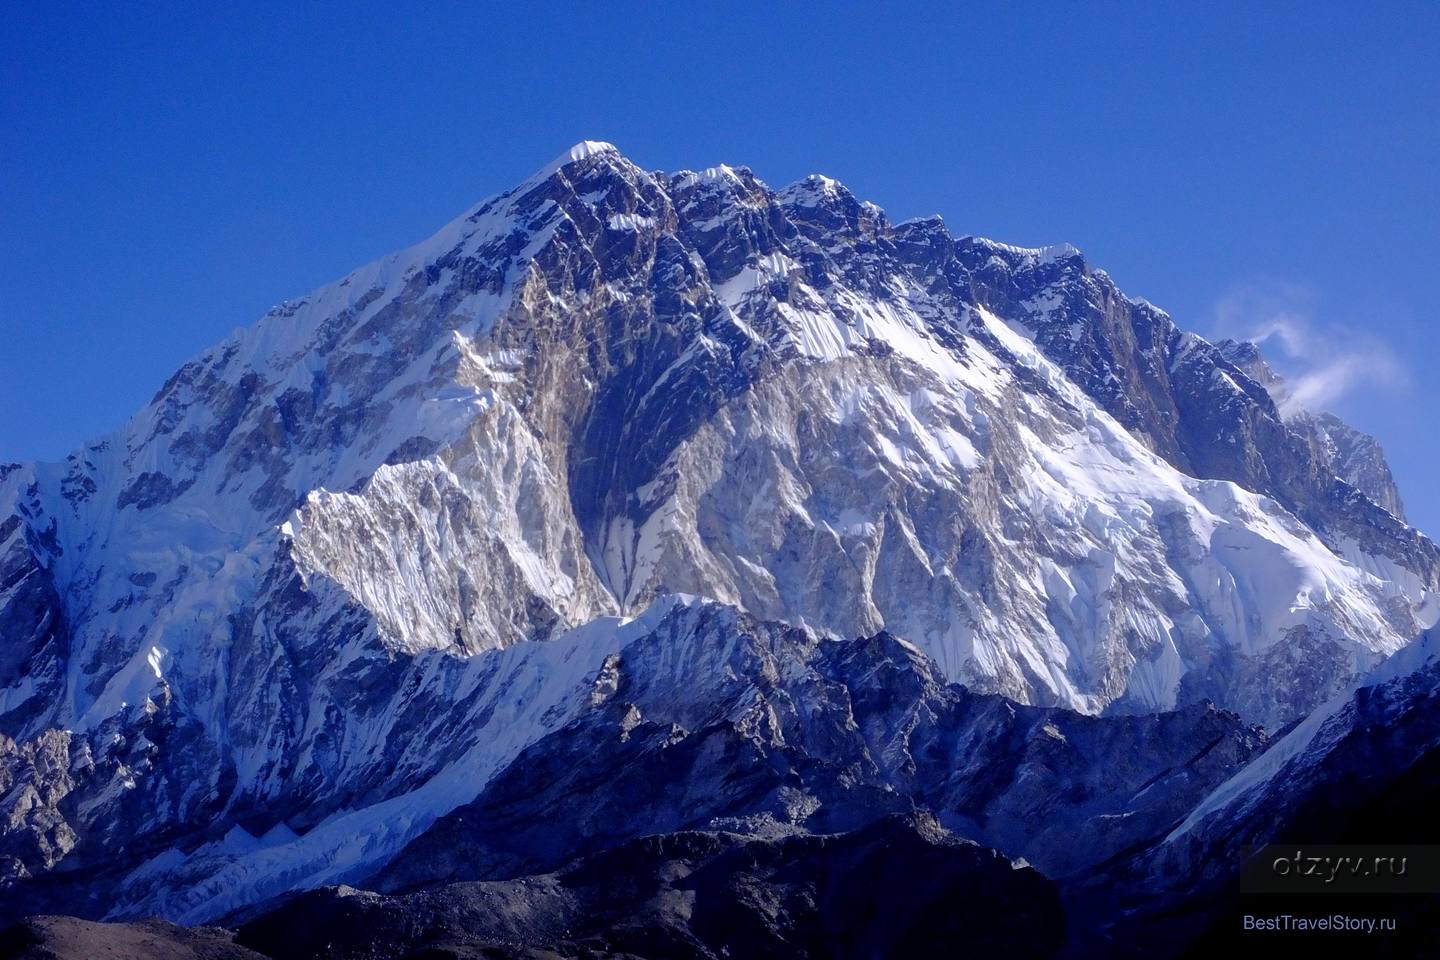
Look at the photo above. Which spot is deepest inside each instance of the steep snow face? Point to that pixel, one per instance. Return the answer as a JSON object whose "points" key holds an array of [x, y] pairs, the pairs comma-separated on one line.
{"points": [[607, 385], [1028, 543], [1206, 408], [158, 535]]}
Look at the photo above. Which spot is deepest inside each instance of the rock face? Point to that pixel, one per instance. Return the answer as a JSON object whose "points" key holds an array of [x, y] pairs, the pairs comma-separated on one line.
{"points": [[350, 563], [693, 717], [1350, 454], [1388, 729], [66, 938], [764, 729], [895, 888], [1364, 769]]}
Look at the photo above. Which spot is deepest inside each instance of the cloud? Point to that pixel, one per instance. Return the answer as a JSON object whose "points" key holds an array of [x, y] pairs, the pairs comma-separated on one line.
{"points": [[1322, 363]]}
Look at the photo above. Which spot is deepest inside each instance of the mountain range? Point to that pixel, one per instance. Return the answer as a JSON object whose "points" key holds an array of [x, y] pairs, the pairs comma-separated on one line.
{"points": [[668, 527]]}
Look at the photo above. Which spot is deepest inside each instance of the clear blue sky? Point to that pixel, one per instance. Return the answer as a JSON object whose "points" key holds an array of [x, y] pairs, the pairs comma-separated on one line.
{"points": [[167, 175]]}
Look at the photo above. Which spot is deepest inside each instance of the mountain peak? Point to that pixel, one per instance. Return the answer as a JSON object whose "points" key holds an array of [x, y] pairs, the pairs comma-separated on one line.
{"points": [[584, 150], [581, 151]]}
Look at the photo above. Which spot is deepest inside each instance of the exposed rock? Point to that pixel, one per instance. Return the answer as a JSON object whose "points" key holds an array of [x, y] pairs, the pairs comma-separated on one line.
{"points": [[66, 938], [1364, 770], [1349, 454], [896, 888], [756, 727]]}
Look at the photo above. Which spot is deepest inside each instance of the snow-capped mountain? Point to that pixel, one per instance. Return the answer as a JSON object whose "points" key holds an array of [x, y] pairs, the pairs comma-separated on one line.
{"points": [[350, 563], [1396, 703], [1350, 454], [692, 716], [1363, 769]]}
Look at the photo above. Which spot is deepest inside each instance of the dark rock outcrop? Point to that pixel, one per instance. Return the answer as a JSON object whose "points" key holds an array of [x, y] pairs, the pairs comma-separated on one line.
{"points": [[66, 938], [825, 737], [897, 888]]}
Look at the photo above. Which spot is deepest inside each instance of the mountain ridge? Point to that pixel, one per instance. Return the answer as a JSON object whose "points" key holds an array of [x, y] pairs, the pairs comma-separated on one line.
{"points": [[337, 532]]}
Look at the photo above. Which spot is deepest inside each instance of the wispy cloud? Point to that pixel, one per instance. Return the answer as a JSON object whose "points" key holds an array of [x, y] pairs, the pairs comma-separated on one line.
{"points": [[1322, 363]]}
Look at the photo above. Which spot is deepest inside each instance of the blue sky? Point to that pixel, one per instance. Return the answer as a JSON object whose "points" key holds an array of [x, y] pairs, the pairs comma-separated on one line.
{"points": [[168, 175]]}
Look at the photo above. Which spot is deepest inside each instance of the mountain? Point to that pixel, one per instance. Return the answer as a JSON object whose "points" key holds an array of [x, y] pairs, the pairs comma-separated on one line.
{"points": [[764, 729], [353, 562], [1364, 769], [67, 938], [893, 888], [685, 896], [694, 716], [1350, 454]]}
